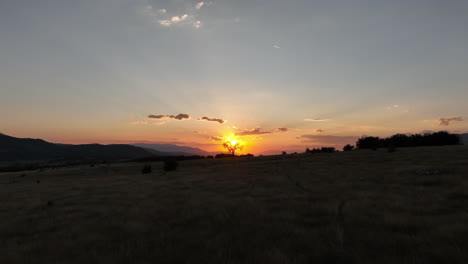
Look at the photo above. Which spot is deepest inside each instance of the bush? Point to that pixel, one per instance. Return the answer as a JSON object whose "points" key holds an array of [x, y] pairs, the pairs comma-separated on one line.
{"points": [[348, 147], [146, 169], [170, 165], [321, 150]]}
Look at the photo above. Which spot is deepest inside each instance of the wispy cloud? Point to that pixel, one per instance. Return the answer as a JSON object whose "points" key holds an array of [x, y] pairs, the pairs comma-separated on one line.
{"points": [[199, 5], [219, 120], [255, 131], [165, 23], [217, 139], [177, 117], [319, 130], [165, 18], [276, 46], [444, 121], [282, 129], [316, 120]]}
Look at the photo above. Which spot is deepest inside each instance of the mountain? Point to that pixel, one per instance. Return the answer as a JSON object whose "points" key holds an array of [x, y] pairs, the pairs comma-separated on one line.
{"points": [[463, 138], [175, 150], [17, 149]]}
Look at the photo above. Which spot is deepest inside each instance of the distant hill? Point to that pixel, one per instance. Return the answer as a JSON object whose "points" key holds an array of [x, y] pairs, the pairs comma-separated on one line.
{"points": [[174, 150], [464, 138], [21, 149]]}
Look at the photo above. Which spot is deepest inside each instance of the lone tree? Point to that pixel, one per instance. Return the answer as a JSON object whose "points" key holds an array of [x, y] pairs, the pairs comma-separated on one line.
{"points": [[232, 146]]}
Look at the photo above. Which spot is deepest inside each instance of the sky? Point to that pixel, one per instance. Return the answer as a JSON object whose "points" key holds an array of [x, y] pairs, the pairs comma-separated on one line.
{"points": [[275, 75]]}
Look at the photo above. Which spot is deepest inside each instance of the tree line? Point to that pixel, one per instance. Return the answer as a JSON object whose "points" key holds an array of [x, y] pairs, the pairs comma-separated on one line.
{"points": [[440, 138]]}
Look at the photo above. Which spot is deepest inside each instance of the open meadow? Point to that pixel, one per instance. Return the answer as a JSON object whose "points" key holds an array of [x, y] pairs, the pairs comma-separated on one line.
{"points": [[408, 206]]}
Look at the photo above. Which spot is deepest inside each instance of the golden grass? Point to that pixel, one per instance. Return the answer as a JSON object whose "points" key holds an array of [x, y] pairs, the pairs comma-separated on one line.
{"points": [[410, 206]]}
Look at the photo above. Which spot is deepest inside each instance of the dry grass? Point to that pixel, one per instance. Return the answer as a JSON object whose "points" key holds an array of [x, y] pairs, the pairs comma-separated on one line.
{"points": [[410, 206]]}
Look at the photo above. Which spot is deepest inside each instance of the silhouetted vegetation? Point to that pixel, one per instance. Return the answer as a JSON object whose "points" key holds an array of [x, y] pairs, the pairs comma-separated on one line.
{"points": [[348, 147], [170, 165], [321, 150], [146, 169], [401, 140], [223, 156], [246, 155]]}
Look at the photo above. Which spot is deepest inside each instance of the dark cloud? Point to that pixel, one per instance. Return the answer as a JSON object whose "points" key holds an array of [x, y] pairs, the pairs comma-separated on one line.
{"points": [[216, 138], [283, 129], [319, 130], [324, 140], [219, 120], [255, 131], [178, 117], [445, 121]]}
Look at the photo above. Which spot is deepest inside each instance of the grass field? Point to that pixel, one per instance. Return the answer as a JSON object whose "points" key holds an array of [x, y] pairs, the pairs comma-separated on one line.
{"points": [[409, 206]]}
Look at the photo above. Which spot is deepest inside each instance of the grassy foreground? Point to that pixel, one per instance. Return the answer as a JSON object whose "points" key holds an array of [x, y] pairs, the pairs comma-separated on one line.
{"points": [[410, 206]]}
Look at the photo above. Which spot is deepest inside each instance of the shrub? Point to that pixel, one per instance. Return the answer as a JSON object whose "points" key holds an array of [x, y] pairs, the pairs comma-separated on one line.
{"points": [[146, 169], [348, 147], [170, 165]]}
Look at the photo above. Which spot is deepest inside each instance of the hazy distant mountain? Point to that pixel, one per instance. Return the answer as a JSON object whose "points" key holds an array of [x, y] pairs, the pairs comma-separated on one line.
{"points": [[174, 149], [17, 149], [464, 138]]}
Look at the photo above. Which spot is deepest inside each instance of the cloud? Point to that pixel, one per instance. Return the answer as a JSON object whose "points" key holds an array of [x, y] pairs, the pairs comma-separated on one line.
{"points": [[167, 19], [216, 138], [176, 19], [255, 131], [165, 23], [319, 130], [219, 120], [282, 129], [199, 5], [444, 121], [143, 122], [328, 140], [178, 117], [316, 120], [276, 47]]}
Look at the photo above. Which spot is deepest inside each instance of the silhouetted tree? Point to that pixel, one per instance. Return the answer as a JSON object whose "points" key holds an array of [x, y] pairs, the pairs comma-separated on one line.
{"points": [[348, 147], [401, 140], [232, 148]]}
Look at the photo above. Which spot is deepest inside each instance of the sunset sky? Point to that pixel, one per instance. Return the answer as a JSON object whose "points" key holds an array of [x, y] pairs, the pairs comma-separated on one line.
{"points": [[277, 75]]}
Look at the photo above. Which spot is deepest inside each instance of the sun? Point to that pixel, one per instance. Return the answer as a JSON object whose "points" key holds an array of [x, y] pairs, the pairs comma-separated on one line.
{"points": [[232, 144]]}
